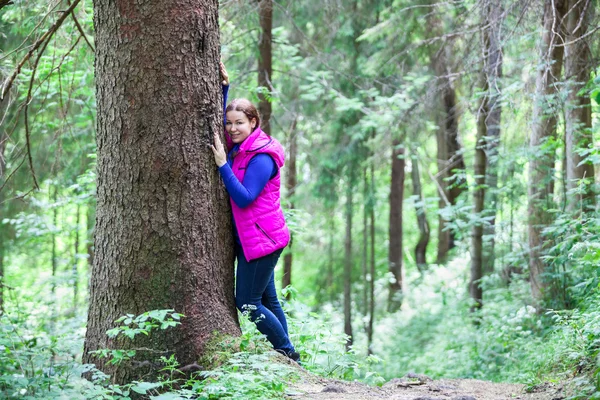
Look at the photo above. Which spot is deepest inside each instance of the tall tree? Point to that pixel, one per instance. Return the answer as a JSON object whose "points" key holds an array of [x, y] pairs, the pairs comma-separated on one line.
{"points": [[265, 63], [488, 136], [578, 115], [395, 238], [290, 183], [421, 247], [541, 165], [163, 234]]}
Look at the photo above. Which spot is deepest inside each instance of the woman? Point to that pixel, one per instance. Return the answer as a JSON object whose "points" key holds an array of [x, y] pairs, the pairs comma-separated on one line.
{"points": [[251, 173]]}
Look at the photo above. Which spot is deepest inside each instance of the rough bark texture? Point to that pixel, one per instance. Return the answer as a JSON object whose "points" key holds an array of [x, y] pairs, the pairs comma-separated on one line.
{"points": [[578, 65], [421, 247], [348, 258], [395, 235], [541, 165], [163, 229], [291, 181], [265, 68]]}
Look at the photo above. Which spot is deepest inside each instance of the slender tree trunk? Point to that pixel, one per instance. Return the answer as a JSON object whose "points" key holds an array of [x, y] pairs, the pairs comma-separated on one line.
{"points": [[330, 255], [348, 259], [395, 244], [74, 271], [265, 68], [365, 249], [421, 247], [54, 254], [451, 164], [372, 263], [163, 235], [3, 238], [291, 182], [493, 59], [541, 167], [578, 66], [486, 151]]}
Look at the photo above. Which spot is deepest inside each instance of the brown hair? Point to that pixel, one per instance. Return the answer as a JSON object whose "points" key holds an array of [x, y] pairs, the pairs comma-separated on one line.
{"points": [[245, 106]]}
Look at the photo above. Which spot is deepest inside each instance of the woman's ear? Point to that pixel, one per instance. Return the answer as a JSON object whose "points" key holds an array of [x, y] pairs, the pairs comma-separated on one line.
{"points": [[253, 123]]}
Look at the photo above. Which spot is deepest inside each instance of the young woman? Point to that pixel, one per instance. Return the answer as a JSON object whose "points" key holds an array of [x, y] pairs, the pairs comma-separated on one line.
{"points": [[251, 173]]}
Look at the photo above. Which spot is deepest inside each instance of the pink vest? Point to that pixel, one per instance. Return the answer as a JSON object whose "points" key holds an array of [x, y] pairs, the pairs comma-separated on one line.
{"points": [[261, 226]]}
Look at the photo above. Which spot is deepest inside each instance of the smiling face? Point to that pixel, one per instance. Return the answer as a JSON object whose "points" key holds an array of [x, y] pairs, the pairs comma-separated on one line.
{"points": [[239, 126]]}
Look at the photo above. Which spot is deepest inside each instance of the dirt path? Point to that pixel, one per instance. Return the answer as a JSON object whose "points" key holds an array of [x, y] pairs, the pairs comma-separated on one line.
{"points": [[419, 387]]}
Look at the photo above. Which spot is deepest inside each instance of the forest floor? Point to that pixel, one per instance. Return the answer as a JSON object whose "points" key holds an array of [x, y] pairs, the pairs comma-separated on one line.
{"points": [[420, 387]]}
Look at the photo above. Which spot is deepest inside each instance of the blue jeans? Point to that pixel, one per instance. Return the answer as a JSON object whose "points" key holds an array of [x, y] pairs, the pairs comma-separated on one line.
{"points": [[255, 292]]}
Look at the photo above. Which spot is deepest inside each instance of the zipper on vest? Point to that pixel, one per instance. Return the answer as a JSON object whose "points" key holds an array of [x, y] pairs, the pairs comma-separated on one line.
{"points": [[264, 233]]}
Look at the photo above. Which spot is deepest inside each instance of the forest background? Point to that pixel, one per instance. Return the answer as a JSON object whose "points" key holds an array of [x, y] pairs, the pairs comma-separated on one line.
{"points": [[441, 184]]}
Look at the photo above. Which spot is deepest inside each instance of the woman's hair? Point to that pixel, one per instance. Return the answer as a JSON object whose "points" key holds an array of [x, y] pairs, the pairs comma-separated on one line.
{"points": [[245, 106]]}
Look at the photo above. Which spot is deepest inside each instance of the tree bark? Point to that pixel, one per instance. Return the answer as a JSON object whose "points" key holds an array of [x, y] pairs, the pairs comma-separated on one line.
{"points": [[578, 115], [265, 67], [486, 151], [291, 182], [348, 257], [163, 233], [541, 167], [395, 234], [421, 247], [451, 164]]}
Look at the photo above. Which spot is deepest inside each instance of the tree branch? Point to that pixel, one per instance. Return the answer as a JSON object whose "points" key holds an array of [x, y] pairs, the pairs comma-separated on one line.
{"points": [[36, 45], [4, 3]]}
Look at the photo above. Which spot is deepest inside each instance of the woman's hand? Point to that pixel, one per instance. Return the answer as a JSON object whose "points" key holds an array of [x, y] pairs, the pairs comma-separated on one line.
{"points": [[219, 152], [224, 75]]}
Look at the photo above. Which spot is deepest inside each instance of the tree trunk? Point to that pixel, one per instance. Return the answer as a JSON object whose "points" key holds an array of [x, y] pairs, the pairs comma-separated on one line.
{"points": [[348, 259], [421, 247], [54, 251], [74, 271], [3, 238], [486, 151], [395, 244], [493, 59], [578, 66], [541, 167], [163, 235], [451, 164], [90, 223], [265, 68], [365, 249], [372, 264], [291, 182]]}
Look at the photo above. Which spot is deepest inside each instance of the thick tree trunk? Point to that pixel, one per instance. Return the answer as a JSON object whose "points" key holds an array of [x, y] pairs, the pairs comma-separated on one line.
{"points": [[291, 182], [163, 234], [541, 167], [348, 257], [395, 234], [90, 223], [421, 247], [578, 66], [265, 68]]}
